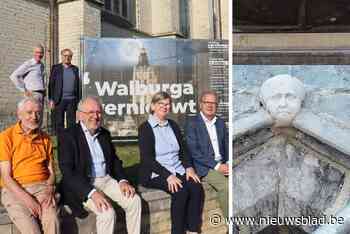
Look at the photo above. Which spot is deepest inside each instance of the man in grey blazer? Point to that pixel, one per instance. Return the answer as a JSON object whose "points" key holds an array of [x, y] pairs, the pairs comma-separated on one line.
{"points": [[207, 142]]}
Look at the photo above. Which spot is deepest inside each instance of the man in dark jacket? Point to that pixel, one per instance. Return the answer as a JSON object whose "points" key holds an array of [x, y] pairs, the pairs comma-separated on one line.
{"points": [[93, 174], [64, 91], [207, 141]]}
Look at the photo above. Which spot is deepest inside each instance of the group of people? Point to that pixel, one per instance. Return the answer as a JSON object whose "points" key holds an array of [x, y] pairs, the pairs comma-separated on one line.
{"points": [[92, 173], [63, 88]]}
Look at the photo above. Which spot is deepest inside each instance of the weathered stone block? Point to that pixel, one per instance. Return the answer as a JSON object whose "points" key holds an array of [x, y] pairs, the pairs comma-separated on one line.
{"points": [[284, 178]]}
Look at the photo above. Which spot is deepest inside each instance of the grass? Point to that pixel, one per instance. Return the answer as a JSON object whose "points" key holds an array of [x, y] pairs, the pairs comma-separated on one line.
{"points": [[129, 154]]}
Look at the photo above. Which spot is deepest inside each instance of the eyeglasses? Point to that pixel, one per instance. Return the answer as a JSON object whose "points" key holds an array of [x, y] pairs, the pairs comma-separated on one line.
{"points": [[91, 113], [67, 55], [210, 103], [163, 104]]}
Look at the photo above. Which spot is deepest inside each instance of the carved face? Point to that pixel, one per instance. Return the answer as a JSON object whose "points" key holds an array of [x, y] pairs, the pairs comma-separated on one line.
{"points": [[282, 97]]}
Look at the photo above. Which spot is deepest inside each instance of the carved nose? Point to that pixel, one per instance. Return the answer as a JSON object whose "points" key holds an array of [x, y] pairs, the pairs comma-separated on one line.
{"points": [[283, 101]]}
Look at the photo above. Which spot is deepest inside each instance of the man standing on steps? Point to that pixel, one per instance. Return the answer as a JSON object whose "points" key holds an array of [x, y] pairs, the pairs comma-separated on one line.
{"points": [[29, 77], [64, 91], [207, 142]]}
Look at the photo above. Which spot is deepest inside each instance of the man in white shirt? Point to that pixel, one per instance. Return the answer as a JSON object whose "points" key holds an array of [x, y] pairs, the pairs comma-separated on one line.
{"points": [[207, 141], [29, 77], [92, 174]]}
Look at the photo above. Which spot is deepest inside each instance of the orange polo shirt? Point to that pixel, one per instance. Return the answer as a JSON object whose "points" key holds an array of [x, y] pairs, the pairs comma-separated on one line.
{"points": [[29, 154]]}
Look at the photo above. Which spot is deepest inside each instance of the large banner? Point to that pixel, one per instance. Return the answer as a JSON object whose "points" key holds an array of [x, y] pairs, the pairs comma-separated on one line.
{"points": [[125, 73]]}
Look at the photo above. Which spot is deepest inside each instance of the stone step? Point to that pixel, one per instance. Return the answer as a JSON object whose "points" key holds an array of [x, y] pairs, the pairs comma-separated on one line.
{"points": [[155, 216]]}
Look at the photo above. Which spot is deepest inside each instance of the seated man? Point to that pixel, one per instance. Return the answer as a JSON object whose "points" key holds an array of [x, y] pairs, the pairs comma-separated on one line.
{"points": [[27, 176], [207, 141], [93, 174]]}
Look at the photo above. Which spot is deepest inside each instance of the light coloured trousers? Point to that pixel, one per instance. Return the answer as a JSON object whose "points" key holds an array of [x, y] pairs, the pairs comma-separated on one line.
{"points": [[220, 183], [106, 220], [21, 216]]}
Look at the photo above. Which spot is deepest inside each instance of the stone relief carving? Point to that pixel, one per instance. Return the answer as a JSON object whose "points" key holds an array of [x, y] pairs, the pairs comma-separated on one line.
{"points": [[282, 98]]}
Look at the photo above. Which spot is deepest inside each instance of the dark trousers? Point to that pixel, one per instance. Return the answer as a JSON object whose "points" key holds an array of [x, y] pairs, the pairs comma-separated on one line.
{"points": [[64, 106], [186, 204]]}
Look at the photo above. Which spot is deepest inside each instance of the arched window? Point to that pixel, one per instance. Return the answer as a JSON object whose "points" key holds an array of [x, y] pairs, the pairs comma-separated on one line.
{"points": [[118, 7]]}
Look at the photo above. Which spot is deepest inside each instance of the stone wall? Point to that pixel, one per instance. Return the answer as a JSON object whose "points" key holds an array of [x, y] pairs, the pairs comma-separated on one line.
{"points": [[200, 26], [279, 41], [165, 18], [287, 175], [327, 87], [201, 19], [155, 216], [110, 30], [224, 5], [23, 24], [159, 18]]}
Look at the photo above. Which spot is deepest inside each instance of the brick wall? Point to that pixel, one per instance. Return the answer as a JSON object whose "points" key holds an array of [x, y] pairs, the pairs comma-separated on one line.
{"points": [[77, 19], [23, 24]]}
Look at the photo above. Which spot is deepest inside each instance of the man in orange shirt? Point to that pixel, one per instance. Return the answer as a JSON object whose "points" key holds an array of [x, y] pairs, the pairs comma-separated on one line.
{"points": [[27, 176]]}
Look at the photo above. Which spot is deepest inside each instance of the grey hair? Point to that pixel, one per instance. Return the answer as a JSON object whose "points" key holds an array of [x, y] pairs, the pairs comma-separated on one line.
{"points": [[159, 96], [82, 101], [67, 49], [208, 92], [39, 46], [23, 101]]}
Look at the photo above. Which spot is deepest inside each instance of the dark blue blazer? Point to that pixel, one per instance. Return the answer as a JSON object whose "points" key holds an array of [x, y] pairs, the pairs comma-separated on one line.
{"points": [[56, 83], [200, 149]]}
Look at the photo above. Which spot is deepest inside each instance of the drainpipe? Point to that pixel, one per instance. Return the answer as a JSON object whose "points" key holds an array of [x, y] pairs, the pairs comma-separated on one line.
{"points": [[212, 27], [344, 228], [219, 19], [52, 45]]}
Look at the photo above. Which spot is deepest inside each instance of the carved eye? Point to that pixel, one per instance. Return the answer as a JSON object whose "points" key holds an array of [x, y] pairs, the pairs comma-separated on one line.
{"points": [[276, 97], [290, 96]]}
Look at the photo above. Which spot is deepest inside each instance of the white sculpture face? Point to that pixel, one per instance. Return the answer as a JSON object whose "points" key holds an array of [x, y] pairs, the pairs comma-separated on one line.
{"points": [[282, 97]]}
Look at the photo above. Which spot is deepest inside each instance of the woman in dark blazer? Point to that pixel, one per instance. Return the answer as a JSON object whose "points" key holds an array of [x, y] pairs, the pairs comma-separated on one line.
{"points": [[164, 166]]}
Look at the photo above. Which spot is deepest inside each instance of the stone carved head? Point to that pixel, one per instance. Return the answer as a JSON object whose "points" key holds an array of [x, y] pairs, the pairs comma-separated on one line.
{"points": [[282, 97]]}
